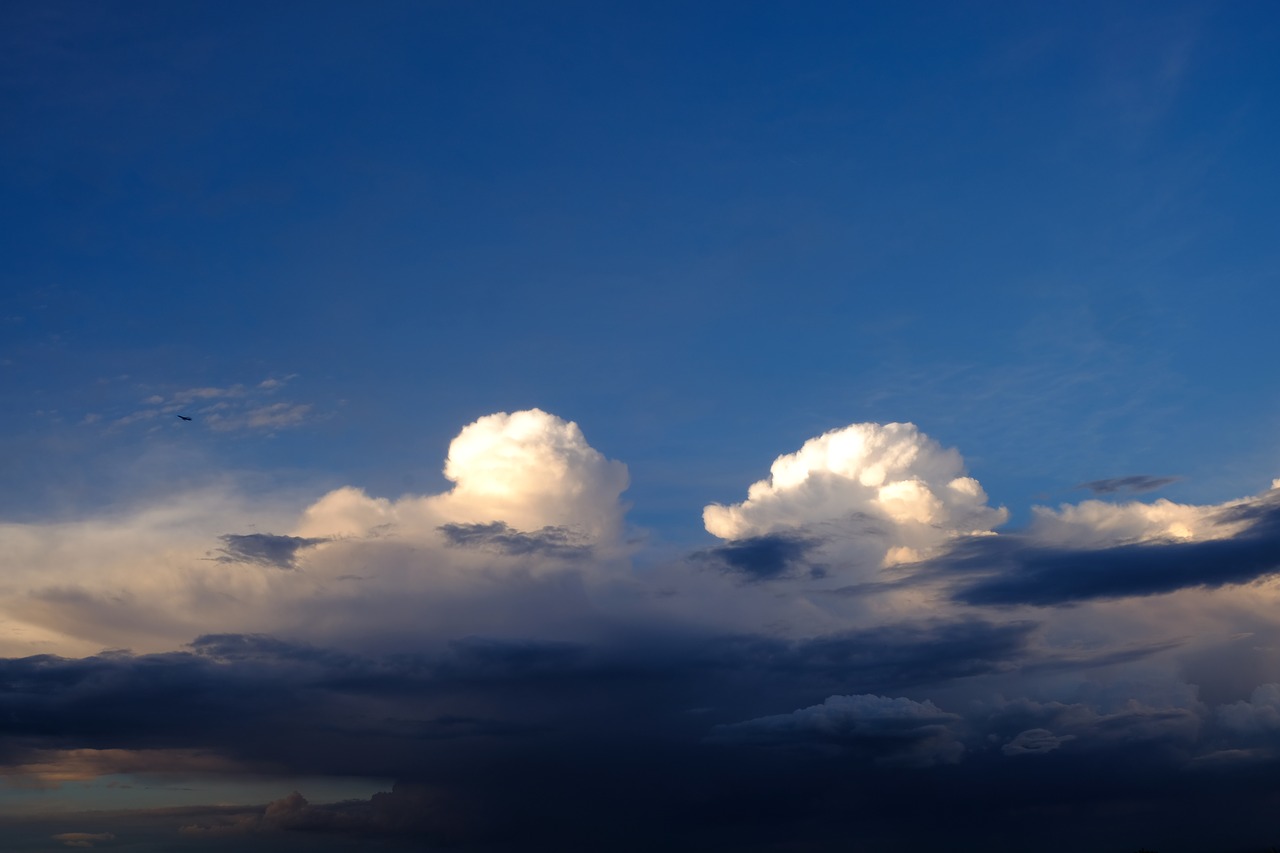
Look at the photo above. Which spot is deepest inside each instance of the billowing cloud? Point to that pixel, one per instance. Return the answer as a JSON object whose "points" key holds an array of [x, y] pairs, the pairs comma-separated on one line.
{"points": [[529, 470], [886, 492]]}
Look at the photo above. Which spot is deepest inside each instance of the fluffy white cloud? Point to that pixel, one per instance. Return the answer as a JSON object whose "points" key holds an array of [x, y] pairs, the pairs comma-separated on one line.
{"points": [[889, 490], [529, 470]]}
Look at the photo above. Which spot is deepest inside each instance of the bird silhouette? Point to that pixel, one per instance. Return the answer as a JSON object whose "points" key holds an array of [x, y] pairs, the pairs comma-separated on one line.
{"points": [[184, 417]]}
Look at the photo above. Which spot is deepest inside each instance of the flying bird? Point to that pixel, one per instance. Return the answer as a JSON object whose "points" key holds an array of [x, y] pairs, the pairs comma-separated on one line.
{"points": [[184, 417]]}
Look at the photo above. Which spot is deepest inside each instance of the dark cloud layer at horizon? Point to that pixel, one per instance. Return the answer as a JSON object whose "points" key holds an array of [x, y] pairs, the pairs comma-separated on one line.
{"points": [[555, 745]]}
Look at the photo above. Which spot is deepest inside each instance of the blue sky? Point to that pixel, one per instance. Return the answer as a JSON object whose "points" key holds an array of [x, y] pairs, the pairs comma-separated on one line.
{"points": [[337, 234], [704, 234]]}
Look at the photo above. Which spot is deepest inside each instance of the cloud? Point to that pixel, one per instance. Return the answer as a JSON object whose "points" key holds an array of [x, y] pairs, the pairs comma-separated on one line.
{"points": [[559, 542], [1162, 548], [897, 730], [428, 814], [494, 648], [1258, 715], [648, 737], [528, 470], [264, 549], [530, 498], [879, 493], [235, 702], [1136, 483], [1096, 524], [764, 557], [1106, 718], [532, 470], [226, 409], [290, 813], [51, 768], [269, 417], [1035, 742], [83, 839]]}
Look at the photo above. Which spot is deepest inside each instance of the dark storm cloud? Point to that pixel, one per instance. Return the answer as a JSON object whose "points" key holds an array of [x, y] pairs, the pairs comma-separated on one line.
{"points": [[559, 542], [259, 697], [1021, 572], [893, 656], [773, 555], [879, 728], [264, 549], [1133, 484], [684, 742]]}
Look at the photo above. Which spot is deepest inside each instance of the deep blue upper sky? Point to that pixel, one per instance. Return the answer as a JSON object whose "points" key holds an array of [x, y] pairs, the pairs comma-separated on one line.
{"points": [[706, 232]]}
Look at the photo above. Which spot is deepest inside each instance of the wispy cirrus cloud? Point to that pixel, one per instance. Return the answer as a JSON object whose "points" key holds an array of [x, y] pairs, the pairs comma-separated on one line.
{"points": [[228, 408], [1133, 484]]}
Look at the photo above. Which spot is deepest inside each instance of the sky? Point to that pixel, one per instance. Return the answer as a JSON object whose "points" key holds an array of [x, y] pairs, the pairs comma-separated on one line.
{"points": [[723, 426]]}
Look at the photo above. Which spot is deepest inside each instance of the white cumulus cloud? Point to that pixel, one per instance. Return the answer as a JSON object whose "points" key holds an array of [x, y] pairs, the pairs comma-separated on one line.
{"points": [[530, 470], [891, 491]]}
